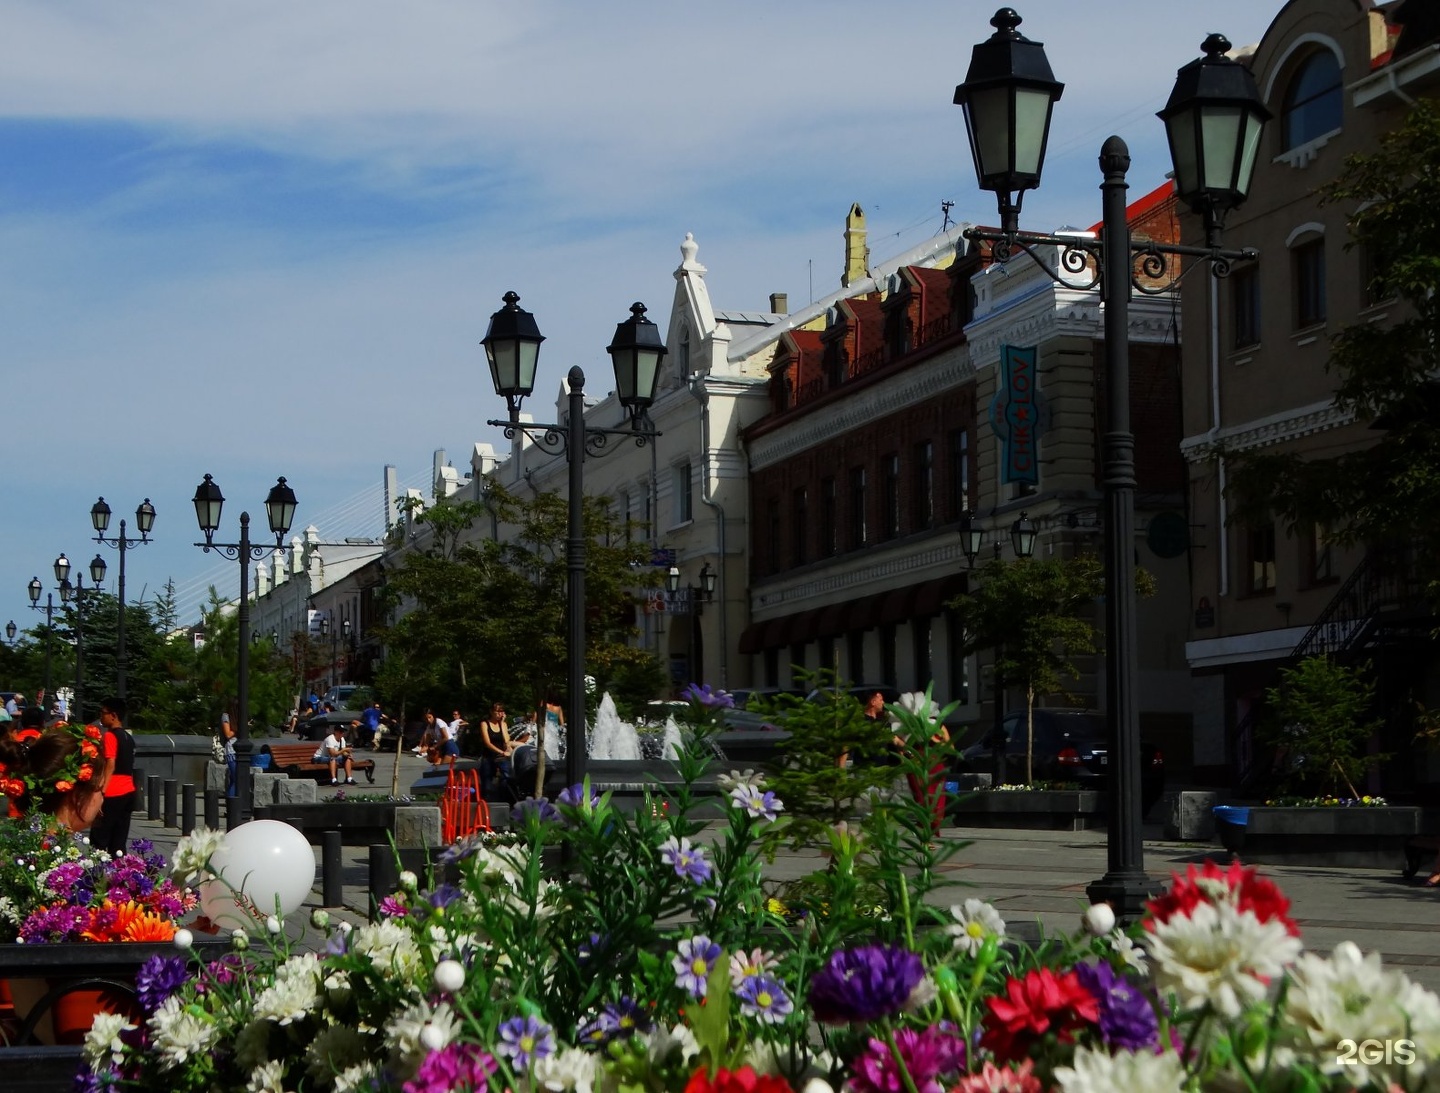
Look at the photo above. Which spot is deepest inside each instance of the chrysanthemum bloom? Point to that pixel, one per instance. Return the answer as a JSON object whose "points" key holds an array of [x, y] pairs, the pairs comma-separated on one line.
{"points": [[764, 997], [158, 978], [693, 962], [929, 1055], [1235, 886], [1015, 1078], [1219, 956], [1042, 1002], [864, 984], [688, 861], [744, 1080], [975, 920], [525, 1039], [1127, 1019], [1100, 1072], [457, 1067], [702, 694]]}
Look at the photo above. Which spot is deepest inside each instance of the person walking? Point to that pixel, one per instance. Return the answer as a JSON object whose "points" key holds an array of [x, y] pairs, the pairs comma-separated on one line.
{"points": [[227, 744], [111, 829]]}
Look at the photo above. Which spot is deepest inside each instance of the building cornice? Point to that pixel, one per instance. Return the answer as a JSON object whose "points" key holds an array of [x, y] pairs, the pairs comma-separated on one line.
{"points": [[1318, 417], [865, 573]]}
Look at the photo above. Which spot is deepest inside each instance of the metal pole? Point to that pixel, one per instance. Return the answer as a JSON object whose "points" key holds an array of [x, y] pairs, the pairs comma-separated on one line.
{"points": [[997, 731], [49, 634], [575, 755], [77, 715], [331, 863], [120, 622], [1125, 885], [187, 808], [243, 790]]}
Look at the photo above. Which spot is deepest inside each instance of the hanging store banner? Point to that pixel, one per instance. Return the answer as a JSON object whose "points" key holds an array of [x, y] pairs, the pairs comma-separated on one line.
{"points": [[1015, 415]]}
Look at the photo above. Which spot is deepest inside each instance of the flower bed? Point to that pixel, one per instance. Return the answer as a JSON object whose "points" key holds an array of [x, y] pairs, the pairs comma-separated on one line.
{"points": [[1042, 809], [1360, 837]]}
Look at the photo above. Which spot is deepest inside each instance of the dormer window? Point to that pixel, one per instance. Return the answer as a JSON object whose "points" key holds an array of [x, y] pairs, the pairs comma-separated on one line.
{"points": [[1313, 101]]}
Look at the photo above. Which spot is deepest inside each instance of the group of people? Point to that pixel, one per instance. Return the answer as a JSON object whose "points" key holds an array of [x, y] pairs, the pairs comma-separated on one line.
{"points": [[82, 775], [53, 707]]}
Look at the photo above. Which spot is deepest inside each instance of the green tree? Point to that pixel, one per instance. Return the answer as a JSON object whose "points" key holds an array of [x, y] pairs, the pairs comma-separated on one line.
{"points": [[1386, 372], [1033, 614], [1319, 721]]}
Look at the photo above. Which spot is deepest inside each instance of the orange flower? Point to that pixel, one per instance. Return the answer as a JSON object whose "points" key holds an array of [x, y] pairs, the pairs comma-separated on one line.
{"points": [[62, 786], [92, 731], [89, 750], [86, 772], [149, 927]]}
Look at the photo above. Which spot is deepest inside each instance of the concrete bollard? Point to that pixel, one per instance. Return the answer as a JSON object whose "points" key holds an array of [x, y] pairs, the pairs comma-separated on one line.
{"points": [[172, 801], [212, 809], [232, 813], [331, 866], [1192, 817], [152, 805], [187, 808]]}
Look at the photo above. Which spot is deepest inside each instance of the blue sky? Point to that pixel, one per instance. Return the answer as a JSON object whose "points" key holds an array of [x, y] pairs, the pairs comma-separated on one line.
{"points": [[265, 238]]}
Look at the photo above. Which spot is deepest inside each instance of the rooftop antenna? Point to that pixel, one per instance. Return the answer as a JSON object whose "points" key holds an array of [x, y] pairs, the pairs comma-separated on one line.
{"points": [[945, 207]]}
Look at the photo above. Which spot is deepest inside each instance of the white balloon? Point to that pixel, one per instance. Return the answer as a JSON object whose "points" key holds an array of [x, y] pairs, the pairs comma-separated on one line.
{"points": [[259, 862]]}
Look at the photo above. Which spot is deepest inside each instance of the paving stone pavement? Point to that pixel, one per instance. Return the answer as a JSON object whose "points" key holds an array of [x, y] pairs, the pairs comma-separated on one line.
{"points": [[1040, 877]]}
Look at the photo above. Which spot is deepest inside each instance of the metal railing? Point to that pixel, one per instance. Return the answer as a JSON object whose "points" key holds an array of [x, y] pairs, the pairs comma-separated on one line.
{"points": [[1385, 581]]}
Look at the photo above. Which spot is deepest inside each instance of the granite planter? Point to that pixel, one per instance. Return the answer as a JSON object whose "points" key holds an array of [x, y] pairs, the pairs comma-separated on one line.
{"points": [[1371, 838], [1034, 809], [360, 823]]}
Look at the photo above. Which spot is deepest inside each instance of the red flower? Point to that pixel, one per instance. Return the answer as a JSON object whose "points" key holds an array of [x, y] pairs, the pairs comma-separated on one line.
{"points": [[92, 731], [1041, 1002], [744, 1080], [1238, 885]]}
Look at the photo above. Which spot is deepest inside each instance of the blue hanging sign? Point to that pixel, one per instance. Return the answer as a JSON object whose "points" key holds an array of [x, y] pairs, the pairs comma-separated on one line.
{"points": [[1015, 415]]}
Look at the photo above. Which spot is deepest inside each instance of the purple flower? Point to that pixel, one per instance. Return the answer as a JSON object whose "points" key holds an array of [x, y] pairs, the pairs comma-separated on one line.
{"points": [[539, 807], [617, 1021], [574, 797], [96, 1081], [702, 695], [456, 1066], [764, 996], [693, 962], [688, 861], [523, 1040], [588, 948], [756, 804], [159, 978], [927, 1054], [462, 849], [1127, 1019], [864, 984], [444, 895]]}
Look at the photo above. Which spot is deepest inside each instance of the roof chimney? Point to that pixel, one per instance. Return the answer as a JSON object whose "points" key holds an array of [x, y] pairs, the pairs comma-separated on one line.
{"points": [[779, 303], [857, 251]]}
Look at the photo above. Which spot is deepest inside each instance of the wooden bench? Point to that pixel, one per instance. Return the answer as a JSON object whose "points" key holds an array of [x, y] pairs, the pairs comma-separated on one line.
{"points": [[298, 761]]}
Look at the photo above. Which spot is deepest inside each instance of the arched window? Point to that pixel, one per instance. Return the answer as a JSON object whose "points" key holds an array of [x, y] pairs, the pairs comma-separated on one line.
{"points": [[1313, 101]]}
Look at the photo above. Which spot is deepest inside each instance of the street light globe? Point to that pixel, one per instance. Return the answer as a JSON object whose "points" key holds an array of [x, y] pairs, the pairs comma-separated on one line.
{"points": [[100, 516], [145, 517], [97, 569], [636, 352], [512, 346], [280, 508], [62, 569], [208, 503]]}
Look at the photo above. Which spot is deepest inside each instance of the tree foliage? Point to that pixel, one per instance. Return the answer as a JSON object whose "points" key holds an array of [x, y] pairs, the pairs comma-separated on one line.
{"points": [[1319, 719], [1386, 372]]}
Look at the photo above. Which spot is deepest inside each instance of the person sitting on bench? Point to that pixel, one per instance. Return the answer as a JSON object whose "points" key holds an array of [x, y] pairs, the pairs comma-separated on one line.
{"points": [[336, 751]]}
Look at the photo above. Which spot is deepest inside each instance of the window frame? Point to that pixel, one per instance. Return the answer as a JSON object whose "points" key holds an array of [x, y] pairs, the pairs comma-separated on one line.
{"points": [[1315, 101], [1245, 307], [1308, 282]]}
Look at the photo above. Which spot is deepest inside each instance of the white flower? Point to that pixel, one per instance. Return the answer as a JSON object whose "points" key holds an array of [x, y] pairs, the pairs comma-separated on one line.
{"points": [[272, 925], [1349, 996], [562, 1071], [449, 976], [760, 1057], [923, 993], [104, 1039], [660, 1045], [320, 918], [252, 1044], [268, 1077], [915, 702], [177, 1034], [295, 992], [390, 947], [1099, 919], [354, 1078], [1100, 1072], [409, 881], [239, 940], [183, 939], [1219, 956], [1126, 949], [331, 1050], [818, 1085], [191, 860], [975, 921], [407, 1033], [737, 778]]}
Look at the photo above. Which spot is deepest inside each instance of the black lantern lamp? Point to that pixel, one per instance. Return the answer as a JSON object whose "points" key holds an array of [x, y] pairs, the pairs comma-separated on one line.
{"points": [[280, 508], [97, 570], [345, 628], [100, 516], [972, 539], [1008, 95], [708, 579], [67, 591], [1213, 121], [636, 352], [512, 346], [145, 517], [672, 579], [325, 627], [62, 569], [1022, 536], [208, 503], [34, 588], [10, 631]]}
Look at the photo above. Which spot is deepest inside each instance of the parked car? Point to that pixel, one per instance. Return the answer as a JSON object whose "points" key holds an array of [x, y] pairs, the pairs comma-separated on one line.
{"points": [[348, 696], [1070, 746]]}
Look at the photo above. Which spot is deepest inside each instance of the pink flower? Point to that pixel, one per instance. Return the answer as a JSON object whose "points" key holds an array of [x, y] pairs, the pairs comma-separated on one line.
{"points": [[927, 1055], [1008, 1079]]}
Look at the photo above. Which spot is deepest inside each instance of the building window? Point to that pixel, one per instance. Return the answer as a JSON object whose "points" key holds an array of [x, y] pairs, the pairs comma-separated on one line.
{"points": [[1308, 260], [959, 472], [959, 663], [924, 485], [889, 672], [684, 493], [829, 517], [772, 667], [855, 655], [1260, 559], [825, 650], [797, 664], [923, 653], [1375, 276], [891, 525], [801, 528], [1313, 102], [859, 530], [625, 512], [1245, 305], [1317, 555], [773, 515]]}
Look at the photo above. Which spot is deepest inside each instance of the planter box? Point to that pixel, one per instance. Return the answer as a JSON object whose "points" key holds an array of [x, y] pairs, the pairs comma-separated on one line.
{"points": [[360, 823], [1035, 809], [1371, 838]]}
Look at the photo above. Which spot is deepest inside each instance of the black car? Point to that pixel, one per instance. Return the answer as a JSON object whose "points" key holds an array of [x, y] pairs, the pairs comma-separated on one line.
{"points": [[1070, 746]]}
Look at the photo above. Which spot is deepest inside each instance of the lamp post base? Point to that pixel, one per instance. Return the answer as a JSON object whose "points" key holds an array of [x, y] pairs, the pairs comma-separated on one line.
{"points": [[1126, 891]]}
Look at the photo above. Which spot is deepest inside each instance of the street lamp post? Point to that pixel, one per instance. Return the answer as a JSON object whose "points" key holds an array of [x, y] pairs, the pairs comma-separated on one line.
{"points": [[10, 631], [280, 513], [512, 348], [1213, 121], [62, 585], [144, 521], [699, 595]]}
